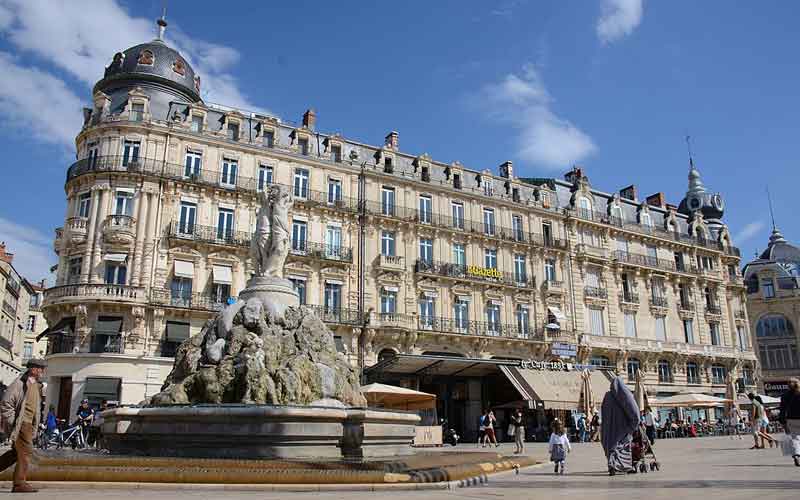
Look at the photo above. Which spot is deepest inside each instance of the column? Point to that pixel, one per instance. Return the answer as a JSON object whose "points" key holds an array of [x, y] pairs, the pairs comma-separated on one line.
{"points": [[90, 230], [138, 245], [102, 213], [149, 247]]}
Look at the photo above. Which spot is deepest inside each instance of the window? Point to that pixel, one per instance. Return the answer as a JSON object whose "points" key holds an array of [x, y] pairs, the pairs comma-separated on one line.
{"points": [[460, 314], [657, 291], [488, 187], [333, 241], [268, 139], [116, 273], [593, 278], [774, 325], [225, 224], [520, 272], [457, 181], [516, 227], [31, 325], [688, 331], [646, 220], [633, 366], [601, 361], [459, 255], [229, 170], [427, 312], [683, 292], [523, 320], [779, 356], [630, 324], [550, 269], [137, 112], [488, 221], [768, 288], [130, 152], [387, 244], [233, 131], [300, 287], [622, 245], [302, 146], [747, 376], [299, 233], [425, 209], [301, 183], [705, 262], [333, 296], [718, 374], [197, 123], [84, 204], [74, 271], [664, 371], [265, 176], [596, 326], [458, 215], [187, 218], [27, 352], [387, 165], [387, 201], [661, 328], [181, 291], [336, 153], [590, 238], [388, 301], [679, 265], [492, 318], [584, 208], [490, 258], [334, 191], [547, 233], [692, 373], [616, 215], [193, 164], [220, 293], [93, 152], [741, 336], [652, 256], [426, 250], [123, 205], [716, 339]]}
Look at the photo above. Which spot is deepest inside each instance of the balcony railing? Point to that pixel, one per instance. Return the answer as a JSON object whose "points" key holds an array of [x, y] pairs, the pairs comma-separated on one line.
{"points": [[61, 344], [469, 327], [76, 224], [685, 305], [95, 290], [390, 262], [713, 309], [9, 309], [322, 251], [643, 260], [553, 286], [629, 298], [595, 292], [208, 234], [482, 274], [198, 301], [584, 249], [659, 301], [111, 344], [337, 315], [120, 222], [740, 314]]}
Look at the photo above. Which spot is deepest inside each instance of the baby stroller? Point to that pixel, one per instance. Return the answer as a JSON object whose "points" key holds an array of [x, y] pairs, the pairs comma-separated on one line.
{"points": [[642, 451]]}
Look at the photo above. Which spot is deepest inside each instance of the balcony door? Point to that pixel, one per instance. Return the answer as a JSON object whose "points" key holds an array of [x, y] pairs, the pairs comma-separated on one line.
{"points": [[225, 224], [187, 218], [333, 241]]}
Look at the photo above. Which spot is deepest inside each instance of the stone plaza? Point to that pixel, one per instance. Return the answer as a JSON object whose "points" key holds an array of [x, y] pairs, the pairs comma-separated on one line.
{"points": [[714, 468]]}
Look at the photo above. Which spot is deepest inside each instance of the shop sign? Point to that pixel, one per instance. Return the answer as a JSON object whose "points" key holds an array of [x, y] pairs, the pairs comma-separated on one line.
{"points": [[564, 350], [776, 388], [484, 272], [555, 366]]}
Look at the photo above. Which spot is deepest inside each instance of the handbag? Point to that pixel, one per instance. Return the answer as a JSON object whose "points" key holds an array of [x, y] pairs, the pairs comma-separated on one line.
{"points": [[511, 430]]}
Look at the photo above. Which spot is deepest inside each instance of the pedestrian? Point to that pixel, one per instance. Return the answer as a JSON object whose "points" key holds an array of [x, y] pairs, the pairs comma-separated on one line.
{"points": [[790, 418], [733, 422], [96, 426], [594, 425], [759, 422], [620, 420], [582, 431], [482, 428], [51, 422], [518, 425], [559, 447], [650, 421], [490, 424], [85, 416], [20, 411]]}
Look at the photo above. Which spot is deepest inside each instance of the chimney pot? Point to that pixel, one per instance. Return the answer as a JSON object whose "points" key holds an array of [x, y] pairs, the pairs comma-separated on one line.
{"points": [[392, 140], [657, 200], [628, 193], [310, 119], [507, 170]]}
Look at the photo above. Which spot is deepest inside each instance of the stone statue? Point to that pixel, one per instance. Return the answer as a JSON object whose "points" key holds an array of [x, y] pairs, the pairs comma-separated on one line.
{"points": [[270, 244]]}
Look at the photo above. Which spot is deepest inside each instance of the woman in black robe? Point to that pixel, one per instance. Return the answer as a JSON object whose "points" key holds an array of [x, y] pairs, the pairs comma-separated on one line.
{"points": [[620, 418]]}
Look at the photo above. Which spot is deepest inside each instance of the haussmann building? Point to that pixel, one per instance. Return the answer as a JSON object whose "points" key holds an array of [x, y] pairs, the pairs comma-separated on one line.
{"points": [[431, 275]]}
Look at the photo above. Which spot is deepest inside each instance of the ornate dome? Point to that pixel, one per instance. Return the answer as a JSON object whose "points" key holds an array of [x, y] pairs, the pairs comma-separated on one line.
{"points": [[697, 198], [154, 62], [779, 250]]}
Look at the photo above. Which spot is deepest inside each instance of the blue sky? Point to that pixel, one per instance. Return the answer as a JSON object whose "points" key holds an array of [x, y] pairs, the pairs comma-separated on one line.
{"points": [[613, 85]]}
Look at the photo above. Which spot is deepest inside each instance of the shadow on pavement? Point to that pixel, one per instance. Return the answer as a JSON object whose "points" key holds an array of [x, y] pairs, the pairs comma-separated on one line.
{"points": [[621, 483]]}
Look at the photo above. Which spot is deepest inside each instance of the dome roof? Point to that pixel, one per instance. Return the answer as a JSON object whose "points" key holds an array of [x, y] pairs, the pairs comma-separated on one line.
{"points": [[154, 61], [779, 250], [698, 198]]}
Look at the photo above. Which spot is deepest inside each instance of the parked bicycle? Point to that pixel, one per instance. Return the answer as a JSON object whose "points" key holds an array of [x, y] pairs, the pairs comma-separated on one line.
{"points": [[73, 436]]}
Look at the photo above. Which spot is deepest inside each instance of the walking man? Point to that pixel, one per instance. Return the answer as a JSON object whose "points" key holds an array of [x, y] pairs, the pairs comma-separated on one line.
{"points": [[21, 411]]}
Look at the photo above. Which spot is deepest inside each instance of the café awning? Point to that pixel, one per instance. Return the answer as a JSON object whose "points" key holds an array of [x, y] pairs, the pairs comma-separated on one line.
{"points": [[66, 326], [692, 400], [554, 389], [397, 398], [557, 314]]}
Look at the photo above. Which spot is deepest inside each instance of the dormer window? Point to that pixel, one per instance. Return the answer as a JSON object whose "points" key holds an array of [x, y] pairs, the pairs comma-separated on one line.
{"points": [[457, 181], [336, 153], [515, 195], [646, 220], [268, 138], [302, 146], [137, 111], [197, 123], [488, 187], [233, 131], [388, 167], [426, 174], [146, 58]]}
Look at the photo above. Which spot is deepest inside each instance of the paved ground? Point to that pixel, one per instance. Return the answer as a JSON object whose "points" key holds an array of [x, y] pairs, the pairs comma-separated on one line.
{"points": [[708, 468]]}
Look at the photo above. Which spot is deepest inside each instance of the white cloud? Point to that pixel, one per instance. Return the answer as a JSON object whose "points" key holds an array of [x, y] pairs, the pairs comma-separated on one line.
{"points": [[79, 41], [618, 18], [543, 138], [32, 251], [748, 231]]}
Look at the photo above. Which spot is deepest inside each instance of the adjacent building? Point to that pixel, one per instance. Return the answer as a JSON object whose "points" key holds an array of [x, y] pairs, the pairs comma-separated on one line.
{"points": [[404, 256], [773, 303], [15, 295]]}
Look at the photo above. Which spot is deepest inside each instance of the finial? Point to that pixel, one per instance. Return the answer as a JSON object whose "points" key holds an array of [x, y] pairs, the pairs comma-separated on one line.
{"points": [[689, 149], [162, 23], [771, 213]]}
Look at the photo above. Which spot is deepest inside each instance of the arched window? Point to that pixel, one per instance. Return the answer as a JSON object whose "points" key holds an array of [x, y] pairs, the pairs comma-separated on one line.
{"points": [[633, 366], [692, 373], [600, 361], [385, 354], [774, 325], [664, 371]]}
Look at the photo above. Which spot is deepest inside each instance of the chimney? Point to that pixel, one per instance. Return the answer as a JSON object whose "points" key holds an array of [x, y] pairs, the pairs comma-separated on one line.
{"points": [[628, 193], [507, 170], [309, 119], [392, 140], [656, 200], [574, 174], [5, 257]]}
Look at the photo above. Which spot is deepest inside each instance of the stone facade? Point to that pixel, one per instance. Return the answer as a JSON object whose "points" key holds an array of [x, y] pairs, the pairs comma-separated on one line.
{"points": [[161, 206], [15, 297]]}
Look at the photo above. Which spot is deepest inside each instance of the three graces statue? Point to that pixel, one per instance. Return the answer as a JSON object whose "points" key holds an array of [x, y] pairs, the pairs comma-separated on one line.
{"points": [[270, 244]]}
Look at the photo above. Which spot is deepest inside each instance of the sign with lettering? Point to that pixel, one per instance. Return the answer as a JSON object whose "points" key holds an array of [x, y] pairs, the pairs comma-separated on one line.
{"points": [[484, 272], [776, 388], [564, 350], [557, 366]]}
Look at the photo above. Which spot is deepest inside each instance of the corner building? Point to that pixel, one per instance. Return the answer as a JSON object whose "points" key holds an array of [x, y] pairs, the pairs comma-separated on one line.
{"points": [[402, 255]]}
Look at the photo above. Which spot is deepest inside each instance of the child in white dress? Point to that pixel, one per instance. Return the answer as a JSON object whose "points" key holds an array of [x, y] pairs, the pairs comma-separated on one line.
{"points": [[559, 447]]}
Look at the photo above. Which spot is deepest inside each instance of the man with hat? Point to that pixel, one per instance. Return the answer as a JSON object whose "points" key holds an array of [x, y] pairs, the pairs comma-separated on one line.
{"points": [[21, 411]]}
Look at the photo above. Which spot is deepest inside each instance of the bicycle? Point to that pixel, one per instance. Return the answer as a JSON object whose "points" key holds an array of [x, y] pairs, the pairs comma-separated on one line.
{"points": [[73, 436]]}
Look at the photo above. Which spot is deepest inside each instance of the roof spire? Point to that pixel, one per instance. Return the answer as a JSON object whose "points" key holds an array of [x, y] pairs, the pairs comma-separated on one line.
{"points": [[771, 213], [689, 149], [162, 23]]}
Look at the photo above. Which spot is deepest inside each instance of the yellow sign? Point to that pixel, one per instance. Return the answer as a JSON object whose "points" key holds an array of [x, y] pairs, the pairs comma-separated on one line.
{"points": [[484, 272]]}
